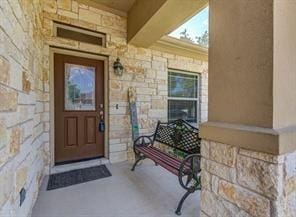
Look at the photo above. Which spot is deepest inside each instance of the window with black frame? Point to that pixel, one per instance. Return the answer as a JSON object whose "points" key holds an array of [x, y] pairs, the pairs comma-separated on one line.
{"points": [[183, 96]]}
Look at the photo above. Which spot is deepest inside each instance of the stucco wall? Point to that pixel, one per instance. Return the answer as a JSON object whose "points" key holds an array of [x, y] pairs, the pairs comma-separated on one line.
{"points": [[145, 69], [23, 141], [241, 51], [284, 63]]}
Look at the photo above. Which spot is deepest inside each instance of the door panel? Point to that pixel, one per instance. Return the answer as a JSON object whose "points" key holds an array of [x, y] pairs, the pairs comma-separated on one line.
{"points": [[79, 99], [91, 128], [71, 131]]}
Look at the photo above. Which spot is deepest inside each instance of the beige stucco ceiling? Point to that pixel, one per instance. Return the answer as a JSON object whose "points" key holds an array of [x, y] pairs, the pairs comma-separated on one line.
{"points": [[121, 5], [144, 16]]}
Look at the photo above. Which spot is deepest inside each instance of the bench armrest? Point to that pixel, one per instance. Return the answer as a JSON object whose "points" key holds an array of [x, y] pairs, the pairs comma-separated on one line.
{"points": [[144, 140], [189, 172]]}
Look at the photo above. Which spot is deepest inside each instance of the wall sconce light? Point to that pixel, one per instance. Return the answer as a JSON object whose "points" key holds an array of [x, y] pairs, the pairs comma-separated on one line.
{"points": [[118, 68]]}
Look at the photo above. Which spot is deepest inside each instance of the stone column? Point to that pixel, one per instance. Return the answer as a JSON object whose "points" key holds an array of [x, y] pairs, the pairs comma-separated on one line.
{"points": [[249, 141]]}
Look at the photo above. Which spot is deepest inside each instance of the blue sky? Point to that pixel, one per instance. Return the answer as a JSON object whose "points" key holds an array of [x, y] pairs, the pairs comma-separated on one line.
{"points": [[83, 77], [196, 26]]}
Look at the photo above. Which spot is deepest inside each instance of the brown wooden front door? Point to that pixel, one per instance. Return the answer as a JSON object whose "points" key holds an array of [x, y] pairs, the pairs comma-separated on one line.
{"points": [[79, 106]]}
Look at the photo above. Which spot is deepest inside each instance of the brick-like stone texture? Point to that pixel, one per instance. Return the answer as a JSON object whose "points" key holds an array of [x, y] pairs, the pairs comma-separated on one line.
{"points": [[224, 154], [239, 182], [8, 98], [3, 134], [260, 176], [144, 69], [215, 206], [15, 140], [21, 103], [4, 70], [252, 203], [26, 33]]}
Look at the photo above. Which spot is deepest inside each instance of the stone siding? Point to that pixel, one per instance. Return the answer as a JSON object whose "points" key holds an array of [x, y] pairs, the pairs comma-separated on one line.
{"points": [[145, 69], [23, 140], [239, 182], [26, 34]]}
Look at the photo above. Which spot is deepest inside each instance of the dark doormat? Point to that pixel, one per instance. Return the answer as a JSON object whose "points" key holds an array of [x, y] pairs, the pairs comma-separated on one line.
{"points": [[78, 176]]}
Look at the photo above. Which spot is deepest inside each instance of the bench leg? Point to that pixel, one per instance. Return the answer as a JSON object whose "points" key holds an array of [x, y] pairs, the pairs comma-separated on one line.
{"points": [[178, 210], [138, 159]]}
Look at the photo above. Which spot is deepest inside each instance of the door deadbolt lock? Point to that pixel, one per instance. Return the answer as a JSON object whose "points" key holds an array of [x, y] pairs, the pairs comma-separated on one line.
{"points": [[101, 126]]}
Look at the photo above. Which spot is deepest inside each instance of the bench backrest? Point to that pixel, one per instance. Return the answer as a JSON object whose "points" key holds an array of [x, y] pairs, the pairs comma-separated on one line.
{"points": [[178, 134]]}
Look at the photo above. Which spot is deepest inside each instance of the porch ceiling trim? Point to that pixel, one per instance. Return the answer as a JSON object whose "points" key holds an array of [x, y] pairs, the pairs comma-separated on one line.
{"points": [[103, 7], [175, 46], [148, 21]]}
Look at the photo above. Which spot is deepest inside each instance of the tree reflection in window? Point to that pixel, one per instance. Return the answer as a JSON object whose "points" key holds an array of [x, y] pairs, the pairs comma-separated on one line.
{"points": [[183, 95], [79, 87]]}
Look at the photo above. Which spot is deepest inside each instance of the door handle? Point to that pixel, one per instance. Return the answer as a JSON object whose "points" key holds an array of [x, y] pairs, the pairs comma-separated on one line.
{"points": [[101, 126], [101, 116]]}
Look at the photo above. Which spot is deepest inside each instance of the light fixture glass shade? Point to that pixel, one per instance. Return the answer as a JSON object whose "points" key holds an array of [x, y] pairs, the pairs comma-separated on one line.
{"points": [[118, 68]]}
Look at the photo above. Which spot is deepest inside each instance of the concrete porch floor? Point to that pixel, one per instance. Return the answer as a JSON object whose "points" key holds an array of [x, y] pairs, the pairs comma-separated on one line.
{"points": [[150, 191]]}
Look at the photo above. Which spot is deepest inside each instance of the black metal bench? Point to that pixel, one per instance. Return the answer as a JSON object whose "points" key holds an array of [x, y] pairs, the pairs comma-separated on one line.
{"points": [[183, 139]]}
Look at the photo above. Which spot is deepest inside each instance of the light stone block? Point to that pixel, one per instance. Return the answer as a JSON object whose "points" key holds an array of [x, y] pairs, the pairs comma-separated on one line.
{"points": [[8, 98], [220, 170], [74, 7], [50, 6], [15, 138], [156, 113], [214, 206], [67, 14], [161, 74], [259, 176], [262, 156], [65, 4], [89, 16], [3, 134], [215, 184], [146, 91], [248, 201], [158, 104], [205, 149], [4, 70], [206, 180], [222, 153], [118, 147]]}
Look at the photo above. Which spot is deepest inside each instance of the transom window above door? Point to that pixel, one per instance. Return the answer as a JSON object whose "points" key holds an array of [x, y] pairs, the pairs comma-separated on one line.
{"points": [[183, 96]]}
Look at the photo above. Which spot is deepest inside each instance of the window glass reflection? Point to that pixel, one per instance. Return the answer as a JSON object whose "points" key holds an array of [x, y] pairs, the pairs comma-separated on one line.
{"points": [[79, 87]]}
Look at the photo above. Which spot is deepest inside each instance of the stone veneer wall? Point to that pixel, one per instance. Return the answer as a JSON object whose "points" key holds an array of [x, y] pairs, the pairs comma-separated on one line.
{"points": [[145, 69], [239, 182], [23, 149], [26, 33]]}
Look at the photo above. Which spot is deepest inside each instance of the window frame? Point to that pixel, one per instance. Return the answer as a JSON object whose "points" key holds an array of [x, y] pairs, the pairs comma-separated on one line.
{"points": [[77, 29], [198, 95]]}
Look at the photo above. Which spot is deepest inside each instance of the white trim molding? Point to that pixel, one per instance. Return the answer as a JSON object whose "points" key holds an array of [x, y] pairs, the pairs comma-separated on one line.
{"points": [[175, 46]]}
